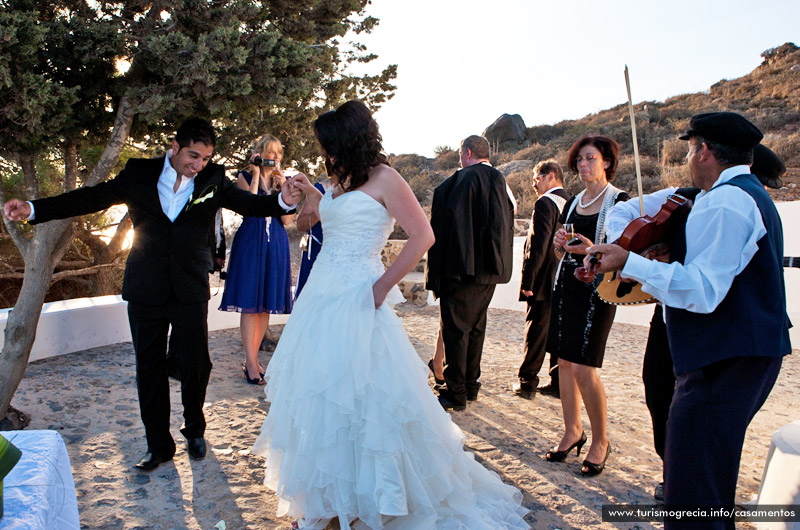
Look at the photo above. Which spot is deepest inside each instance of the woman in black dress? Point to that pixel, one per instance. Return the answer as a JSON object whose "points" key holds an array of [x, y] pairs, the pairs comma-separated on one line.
{"points": [[580, 321]]}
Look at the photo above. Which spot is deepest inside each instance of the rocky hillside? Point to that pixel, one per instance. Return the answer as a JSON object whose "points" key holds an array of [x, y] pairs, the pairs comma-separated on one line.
{"points": [[769, 96]]}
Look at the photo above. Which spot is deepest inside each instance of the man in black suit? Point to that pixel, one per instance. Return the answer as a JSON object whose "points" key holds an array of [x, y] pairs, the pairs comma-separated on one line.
{"points": [[472, 219], [172, 201], [538, 273]]}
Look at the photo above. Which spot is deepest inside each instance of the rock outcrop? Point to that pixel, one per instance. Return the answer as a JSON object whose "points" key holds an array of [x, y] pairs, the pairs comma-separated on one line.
{"points": [[506, 128]]}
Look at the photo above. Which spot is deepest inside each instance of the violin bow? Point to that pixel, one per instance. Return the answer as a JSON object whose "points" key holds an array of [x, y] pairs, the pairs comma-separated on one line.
{"points": [[635, 143]]}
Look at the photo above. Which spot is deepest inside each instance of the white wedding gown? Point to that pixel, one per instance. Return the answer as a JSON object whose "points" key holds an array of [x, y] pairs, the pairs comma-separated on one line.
{"points": [[353, 429]]}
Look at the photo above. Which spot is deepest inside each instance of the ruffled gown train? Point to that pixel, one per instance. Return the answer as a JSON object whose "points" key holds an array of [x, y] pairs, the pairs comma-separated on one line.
{"points": [[353, 429]]}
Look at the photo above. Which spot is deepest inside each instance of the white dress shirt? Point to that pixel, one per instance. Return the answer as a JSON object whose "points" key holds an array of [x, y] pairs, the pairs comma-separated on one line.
{"points": [[172, 202], [722, 234]]}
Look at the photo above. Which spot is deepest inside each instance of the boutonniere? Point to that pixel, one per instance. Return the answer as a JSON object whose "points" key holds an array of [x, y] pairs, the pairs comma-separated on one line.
{"points": [[204, 196]]}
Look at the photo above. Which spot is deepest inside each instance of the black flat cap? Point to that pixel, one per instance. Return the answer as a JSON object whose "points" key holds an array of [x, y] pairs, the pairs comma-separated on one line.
{"points": [[767, 166], [726, 128]]}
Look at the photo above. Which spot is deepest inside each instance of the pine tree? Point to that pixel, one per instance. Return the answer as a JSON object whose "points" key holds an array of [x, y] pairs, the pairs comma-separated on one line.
{"points": [[68, 100]]}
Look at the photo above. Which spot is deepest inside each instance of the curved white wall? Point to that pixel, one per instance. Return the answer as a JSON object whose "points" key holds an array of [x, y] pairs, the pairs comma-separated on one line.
{"points": [[74, 325]]}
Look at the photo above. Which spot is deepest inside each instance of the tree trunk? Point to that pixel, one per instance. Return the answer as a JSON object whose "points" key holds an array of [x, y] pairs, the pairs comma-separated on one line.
{"points": [[49, 243]]}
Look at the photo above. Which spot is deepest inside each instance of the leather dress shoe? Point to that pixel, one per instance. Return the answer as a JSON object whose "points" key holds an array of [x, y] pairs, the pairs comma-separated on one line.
{"points": [[196, 448], [549, 390], [658, 493], [447, 404], [524, 389], [151, 461], [472, 393]]}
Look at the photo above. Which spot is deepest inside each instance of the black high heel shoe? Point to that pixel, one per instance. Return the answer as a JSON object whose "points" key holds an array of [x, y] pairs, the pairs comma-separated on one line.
{"points": [[559, 456], [244, 367], [435, 379], [590, 469], [255, 380]]}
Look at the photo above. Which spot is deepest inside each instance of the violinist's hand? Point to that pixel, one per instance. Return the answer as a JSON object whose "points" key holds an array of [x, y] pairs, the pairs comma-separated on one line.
{"points": [[613, 257], [579, 248]]}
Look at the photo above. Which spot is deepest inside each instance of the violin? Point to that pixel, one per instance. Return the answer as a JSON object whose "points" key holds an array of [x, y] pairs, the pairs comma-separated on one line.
{"points": [[648, 236]]}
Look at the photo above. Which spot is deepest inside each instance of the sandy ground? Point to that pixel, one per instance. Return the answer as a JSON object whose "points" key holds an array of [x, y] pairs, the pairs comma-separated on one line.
{"points": [[90, 398]]}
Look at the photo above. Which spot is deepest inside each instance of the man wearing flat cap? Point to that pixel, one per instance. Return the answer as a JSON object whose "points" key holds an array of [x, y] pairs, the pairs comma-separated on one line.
{"points": [[725, 306]]}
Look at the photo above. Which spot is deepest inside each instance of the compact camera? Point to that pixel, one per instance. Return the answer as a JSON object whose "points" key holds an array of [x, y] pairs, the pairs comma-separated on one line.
{"points": [[266, 162]]}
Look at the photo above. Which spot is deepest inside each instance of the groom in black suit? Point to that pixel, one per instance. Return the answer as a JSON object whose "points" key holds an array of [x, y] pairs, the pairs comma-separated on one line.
{"points": [[473, 221], [172, 201]]}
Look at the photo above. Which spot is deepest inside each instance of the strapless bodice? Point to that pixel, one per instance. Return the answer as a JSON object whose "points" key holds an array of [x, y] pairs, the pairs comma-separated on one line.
{"points": [[356, 228]]}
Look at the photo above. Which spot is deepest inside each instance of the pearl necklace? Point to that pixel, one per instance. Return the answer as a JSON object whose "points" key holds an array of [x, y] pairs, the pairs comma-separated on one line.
{"points": [[584, 206]]}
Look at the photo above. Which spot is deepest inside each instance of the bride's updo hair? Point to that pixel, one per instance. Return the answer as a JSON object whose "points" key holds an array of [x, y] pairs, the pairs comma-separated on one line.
{"points": [[349, 135]]}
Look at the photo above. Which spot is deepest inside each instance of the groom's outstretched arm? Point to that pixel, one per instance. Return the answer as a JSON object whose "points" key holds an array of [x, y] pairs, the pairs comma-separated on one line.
{"points": [[245, 203], [81, 201]]}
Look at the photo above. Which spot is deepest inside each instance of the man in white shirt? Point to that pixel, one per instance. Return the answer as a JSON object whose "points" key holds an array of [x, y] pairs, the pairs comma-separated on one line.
{"points": [[657, 368], [725, 314], [172, 201]]}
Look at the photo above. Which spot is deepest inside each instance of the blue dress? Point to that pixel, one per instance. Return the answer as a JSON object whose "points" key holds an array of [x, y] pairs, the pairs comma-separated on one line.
{"points": [[310, 254], [259, 267]]}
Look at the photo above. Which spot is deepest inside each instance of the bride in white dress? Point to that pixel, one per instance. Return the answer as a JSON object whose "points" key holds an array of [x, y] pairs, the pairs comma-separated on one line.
{"points": [[353, 430]]}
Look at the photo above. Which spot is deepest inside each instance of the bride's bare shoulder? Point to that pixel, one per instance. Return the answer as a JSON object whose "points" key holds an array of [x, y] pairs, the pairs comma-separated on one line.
{"points": [[384, 174]]}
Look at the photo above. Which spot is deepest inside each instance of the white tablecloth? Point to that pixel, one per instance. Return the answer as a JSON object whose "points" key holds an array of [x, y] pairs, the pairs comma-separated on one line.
{"points": [[40, 492], [781, 481]]}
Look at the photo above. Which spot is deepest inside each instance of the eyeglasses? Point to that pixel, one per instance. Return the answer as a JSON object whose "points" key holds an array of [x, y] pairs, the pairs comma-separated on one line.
{"points": [[589, 159]]}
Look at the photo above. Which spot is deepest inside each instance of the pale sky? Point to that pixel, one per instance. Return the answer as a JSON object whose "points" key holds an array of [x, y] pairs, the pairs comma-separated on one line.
{"points": [[463, 63]]}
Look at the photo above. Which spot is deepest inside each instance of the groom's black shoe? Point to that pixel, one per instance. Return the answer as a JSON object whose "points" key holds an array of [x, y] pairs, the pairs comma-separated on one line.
{"points": [[196, 448], [151, 461], [449, 402], [449, 405], [472, 391]]}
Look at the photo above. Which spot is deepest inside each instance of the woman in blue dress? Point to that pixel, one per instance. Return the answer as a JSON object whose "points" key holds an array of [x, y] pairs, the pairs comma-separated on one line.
{"points": [[308, 222], [259, 269]]}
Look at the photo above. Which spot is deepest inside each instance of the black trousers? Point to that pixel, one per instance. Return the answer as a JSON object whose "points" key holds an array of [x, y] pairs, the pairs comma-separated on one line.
{"points": [[710, 412], [659, 378], [537, 325], [189, 346], [463, 307]]}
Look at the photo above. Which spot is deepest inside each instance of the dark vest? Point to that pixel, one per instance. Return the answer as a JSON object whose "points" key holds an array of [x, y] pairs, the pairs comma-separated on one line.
{"points": [[751, 320]]}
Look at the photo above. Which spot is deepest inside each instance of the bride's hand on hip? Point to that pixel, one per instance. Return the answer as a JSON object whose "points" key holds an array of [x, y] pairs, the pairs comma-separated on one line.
{"points": [[379, 293]]}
